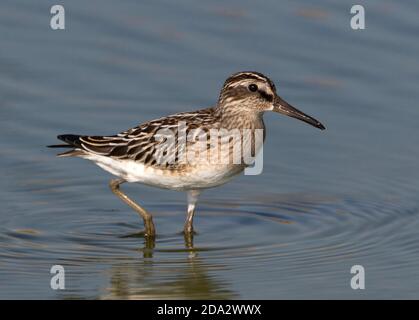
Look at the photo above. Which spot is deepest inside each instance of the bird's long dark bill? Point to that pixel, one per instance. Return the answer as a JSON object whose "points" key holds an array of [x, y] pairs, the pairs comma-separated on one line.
{"points": [[281, 106]]}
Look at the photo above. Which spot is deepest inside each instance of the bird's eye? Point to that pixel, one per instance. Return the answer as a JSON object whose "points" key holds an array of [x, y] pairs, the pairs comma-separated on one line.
{"points": [[253, 87]]}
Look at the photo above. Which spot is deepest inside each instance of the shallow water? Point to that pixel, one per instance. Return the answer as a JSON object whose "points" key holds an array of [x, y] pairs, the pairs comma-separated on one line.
{"points": [[326, 200]]}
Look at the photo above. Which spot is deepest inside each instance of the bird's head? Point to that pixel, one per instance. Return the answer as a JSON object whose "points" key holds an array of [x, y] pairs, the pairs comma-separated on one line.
{"points": [[253, 92]]}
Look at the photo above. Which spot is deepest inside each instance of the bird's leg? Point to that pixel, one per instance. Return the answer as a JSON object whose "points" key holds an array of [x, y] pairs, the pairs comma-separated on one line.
{"points": [[149, 244], [192, 196], [188, 236], [150, 231]]}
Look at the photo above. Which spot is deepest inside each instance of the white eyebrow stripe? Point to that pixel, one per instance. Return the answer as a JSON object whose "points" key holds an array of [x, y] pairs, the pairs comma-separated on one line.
{"points": [[239, 83], [246, 77]]}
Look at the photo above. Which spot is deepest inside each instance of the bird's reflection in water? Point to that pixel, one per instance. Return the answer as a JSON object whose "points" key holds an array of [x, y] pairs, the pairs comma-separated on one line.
{"points": [[183, 276]]}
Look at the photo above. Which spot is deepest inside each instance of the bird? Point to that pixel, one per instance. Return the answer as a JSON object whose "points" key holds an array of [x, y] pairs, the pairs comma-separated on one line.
{"points": [[153, 153]]}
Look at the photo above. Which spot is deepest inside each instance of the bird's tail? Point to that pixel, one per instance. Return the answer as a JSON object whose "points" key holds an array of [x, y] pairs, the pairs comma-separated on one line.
{"points": [[72, 141]]}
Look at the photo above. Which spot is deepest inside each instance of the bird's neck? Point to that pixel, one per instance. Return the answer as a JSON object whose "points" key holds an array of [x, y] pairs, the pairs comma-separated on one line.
{"points": [[235, 117]]}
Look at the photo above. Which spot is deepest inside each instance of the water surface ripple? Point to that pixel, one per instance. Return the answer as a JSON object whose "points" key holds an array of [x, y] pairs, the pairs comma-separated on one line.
{"points": [[326, 200]]}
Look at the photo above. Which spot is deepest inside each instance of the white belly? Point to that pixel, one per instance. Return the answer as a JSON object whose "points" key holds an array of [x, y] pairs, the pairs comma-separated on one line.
{"points": [[199, 177]]}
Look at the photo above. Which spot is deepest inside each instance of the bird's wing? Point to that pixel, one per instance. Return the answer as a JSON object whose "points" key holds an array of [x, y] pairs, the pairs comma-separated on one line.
{"points": [[145, 142]]}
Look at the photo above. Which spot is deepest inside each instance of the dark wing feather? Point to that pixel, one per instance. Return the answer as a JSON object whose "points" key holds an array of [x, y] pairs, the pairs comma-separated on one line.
{"points": [[140, 143]]}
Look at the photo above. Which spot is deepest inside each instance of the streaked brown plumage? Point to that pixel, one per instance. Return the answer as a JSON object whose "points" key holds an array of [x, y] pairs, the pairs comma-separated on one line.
{"points": [[131, 154]]}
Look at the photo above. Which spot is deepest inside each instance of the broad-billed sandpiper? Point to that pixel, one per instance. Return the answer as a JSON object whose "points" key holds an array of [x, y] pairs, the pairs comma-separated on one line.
{"points": [[147, 154]]}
